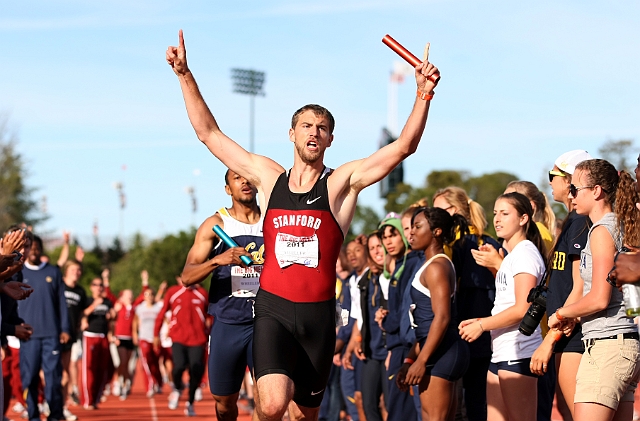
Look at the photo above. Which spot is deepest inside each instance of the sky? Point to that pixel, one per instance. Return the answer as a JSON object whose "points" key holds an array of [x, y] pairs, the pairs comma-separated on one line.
{"points": [[93, 102]]}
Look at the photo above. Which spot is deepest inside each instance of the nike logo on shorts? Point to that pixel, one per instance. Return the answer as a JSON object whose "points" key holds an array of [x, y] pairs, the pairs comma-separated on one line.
{"points": [[316, 393], [513, 362], [308, 203]]}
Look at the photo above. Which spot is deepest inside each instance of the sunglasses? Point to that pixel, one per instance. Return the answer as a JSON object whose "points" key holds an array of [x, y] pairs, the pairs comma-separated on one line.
{"points": [[574, 190], [553, 173], [97, 285]]}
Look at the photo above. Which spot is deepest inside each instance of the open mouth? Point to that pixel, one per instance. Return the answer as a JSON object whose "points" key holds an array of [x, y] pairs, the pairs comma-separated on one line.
{"points": [[312, 145]]}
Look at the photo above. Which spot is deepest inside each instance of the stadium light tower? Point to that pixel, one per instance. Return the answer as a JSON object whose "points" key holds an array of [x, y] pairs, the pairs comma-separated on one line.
{"points": [[249, 82]]}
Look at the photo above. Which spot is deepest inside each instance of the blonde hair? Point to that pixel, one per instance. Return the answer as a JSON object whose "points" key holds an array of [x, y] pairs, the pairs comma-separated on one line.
{"points": [[465, 206], [409, 211], [543, 212]]}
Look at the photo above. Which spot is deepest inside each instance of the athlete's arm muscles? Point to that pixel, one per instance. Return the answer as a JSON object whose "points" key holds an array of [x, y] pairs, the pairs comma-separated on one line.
{"points": [[197, 267], [257, 169], [436, 278], [603, 251], [354, 176]]}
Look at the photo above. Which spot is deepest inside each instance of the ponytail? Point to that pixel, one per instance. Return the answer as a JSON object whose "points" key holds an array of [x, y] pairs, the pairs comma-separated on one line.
{"points": [[471, 210], [626, 211]]}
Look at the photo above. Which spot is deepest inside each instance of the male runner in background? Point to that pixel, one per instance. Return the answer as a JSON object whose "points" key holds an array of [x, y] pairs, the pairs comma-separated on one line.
{"points": [[232, 291], [308, 210]]}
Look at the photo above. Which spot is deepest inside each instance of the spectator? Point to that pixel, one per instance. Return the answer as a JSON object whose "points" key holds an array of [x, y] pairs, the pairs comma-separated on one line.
{"points": [[96, 358], [511, 386], [46, 312], [187, 330]]}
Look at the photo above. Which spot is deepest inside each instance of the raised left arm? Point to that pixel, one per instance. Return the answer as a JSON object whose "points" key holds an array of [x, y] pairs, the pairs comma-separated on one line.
{"points": [[374, 168]]}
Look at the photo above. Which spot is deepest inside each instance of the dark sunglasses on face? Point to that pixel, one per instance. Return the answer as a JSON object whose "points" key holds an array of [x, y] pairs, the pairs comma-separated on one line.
{"points": [[574, 190], [97, 285], [553, 173]]}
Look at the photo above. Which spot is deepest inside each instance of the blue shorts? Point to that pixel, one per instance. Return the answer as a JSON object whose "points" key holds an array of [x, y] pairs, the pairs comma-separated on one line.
{"points": [[230, 352], [515, 366], [450, 360]]}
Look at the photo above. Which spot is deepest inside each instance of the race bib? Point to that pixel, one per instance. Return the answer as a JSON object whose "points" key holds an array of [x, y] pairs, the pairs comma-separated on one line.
{"points": [[245, 281], [291, 249]]}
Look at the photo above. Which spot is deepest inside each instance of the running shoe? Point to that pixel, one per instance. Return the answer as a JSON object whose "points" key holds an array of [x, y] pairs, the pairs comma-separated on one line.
{"points": [[150, 393], [75, 398], [18, 407], [189, 411], [68, 415], [198, 395], [116, 388], [173, 399]]}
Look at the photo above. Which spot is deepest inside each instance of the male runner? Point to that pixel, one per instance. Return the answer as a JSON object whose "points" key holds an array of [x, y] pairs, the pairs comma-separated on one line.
{"points": [[308, 210], [232, 291]]}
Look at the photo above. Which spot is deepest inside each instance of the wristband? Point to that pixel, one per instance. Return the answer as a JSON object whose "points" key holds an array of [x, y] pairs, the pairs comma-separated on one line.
{"points": [[558, 316], [408, 361], [359, 338], [425, 96], [480, 323], [557, 336]]}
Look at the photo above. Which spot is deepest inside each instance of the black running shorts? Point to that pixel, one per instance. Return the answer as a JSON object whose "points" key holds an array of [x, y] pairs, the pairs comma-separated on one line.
{"points": [[297, 340]]}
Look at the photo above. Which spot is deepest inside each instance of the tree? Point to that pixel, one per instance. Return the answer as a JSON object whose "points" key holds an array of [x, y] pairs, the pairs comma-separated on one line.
{"points": [[620, 153], [163, 259], [365, 221], [16, 202]]}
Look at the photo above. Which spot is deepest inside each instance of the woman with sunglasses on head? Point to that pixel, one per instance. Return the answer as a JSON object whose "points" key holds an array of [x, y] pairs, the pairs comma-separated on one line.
{"points": [[608, 372], [438, 358], [564, 282], [475, 293], [511, 386]]}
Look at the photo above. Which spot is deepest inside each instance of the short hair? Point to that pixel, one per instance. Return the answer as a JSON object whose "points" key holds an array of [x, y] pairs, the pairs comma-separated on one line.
{"points": [[37, 239], [319, 111], [68, 264], [226, 177]]}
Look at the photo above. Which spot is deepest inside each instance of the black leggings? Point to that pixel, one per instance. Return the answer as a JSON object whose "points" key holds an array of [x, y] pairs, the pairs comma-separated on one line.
{"points": [[374, 385], [193, 358]]}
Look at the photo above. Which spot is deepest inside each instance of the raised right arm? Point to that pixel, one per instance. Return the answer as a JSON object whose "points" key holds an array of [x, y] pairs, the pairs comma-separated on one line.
{"points": [[259, 170]]}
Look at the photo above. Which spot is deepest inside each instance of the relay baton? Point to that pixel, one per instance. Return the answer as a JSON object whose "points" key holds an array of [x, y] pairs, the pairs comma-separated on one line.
{"points": [[406, 54], [230, 243]]}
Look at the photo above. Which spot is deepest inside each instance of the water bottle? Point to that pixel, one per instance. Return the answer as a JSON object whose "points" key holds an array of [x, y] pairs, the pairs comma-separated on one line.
{"points": [[631, 297]]}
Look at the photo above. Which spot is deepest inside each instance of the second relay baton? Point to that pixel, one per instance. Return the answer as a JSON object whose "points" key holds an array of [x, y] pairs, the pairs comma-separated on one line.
{"points": [[406, 54], [231, 243]]}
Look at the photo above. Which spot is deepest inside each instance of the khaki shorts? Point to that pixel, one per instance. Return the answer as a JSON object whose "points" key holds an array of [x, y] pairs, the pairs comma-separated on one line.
{"points": [[608, 372]]}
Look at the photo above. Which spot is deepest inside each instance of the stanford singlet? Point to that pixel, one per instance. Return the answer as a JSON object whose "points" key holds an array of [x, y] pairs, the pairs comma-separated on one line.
{"points": [[302, 243]]}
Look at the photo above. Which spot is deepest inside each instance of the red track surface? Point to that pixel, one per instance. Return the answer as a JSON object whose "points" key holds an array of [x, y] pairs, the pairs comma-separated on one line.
{"points": [[137, 407]]}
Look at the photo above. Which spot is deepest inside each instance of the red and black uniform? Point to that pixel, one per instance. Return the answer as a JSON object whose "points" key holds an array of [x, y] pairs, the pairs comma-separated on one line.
{"points": [[97, 366], [294, 330], [188, 331]]}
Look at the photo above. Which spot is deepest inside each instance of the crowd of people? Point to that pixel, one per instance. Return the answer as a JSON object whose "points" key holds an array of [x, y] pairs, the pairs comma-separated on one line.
{"points": [[427, 317]]}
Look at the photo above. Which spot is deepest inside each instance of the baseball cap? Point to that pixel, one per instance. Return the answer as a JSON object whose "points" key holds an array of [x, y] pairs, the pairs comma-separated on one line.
{"points": [[567, 161]]}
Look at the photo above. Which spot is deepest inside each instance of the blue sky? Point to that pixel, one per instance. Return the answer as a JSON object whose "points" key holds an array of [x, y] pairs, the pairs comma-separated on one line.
{"points": [[88, 91]]}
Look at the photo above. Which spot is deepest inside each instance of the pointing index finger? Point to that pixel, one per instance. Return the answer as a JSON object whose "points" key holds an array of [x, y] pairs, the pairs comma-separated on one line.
{"points": [[181, 39], [426, 52]]}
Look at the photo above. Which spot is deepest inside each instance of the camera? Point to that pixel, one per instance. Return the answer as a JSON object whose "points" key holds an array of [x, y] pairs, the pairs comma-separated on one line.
{"points": [[538, 299]]}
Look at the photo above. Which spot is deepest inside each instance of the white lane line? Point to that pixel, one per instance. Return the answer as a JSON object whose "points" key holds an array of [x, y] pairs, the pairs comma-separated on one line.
{"points": [[154, 413]]}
